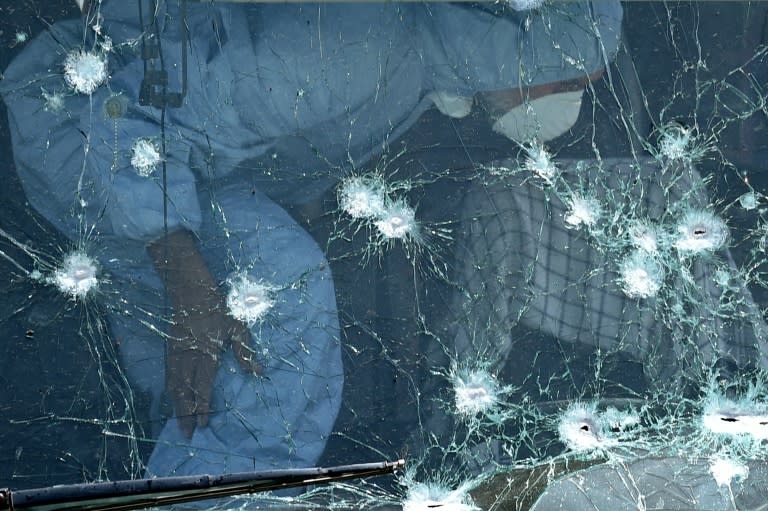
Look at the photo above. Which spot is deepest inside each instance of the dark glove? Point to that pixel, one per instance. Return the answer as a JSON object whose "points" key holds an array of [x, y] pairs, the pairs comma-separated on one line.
{"points": [[201, 330]]}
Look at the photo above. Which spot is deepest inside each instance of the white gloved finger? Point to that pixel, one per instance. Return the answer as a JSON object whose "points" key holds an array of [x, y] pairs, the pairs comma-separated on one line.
{"points": [[451, 104], [543, 119]]}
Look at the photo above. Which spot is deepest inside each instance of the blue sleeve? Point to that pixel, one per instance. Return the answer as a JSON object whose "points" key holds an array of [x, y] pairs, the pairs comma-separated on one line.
{"points": [[75, 161], [469, 49]]}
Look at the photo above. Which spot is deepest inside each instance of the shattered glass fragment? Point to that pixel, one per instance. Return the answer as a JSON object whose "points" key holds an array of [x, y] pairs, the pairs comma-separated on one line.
{"points": [[644, 236], [476, 391], [641, 275], [145, 156], [249, 300], [700, 231], [748, 201], [77, 275], [539, 162], [581, 429], [675, 142], [397, 221], [20, 38], [746, 418], [583, 211], [726, 470], [426, 496], [85, 71], [363, 197], [54, 101], [525, 5]]}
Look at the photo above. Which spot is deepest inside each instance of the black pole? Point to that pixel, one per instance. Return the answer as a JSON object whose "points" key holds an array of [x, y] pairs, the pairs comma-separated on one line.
{"points": [[143, 493]]}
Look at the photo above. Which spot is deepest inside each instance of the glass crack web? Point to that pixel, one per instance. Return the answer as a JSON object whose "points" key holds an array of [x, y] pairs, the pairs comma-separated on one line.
{"points": [[520, 244]]}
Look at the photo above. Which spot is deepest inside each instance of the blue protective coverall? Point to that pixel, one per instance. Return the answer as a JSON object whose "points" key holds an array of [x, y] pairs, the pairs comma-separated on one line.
{"points": [[278, 99]]}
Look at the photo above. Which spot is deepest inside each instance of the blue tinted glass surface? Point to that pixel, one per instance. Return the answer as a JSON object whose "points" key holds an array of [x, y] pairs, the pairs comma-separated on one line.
{"points": [[519, 244]]}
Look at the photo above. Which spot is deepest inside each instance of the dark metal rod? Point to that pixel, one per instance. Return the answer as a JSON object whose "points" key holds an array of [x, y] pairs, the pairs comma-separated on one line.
{"points": [[142, 493]]}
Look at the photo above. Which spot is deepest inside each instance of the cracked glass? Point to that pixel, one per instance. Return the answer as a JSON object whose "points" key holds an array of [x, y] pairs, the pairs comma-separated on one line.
{"points": [[520, 245]]}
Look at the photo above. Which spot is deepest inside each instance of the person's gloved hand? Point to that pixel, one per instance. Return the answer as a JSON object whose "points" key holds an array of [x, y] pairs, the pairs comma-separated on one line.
{"points": [[200, 331], [196, 341]]}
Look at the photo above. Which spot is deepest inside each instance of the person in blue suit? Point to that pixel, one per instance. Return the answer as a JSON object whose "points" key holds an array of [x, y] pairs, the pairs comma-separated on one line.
{"points": [[161, 137]]}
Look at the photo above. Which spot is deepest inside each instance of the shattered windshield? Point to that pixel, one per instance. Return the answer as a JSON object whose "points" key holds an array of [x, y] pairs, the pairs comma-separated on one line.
{"points": [[519, 244]]}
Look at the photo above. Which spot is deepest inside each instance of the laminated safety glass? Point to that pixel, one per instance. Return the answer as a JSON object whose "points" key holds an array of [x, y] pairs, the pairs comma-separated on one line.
{"points": [[521, 245]]}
